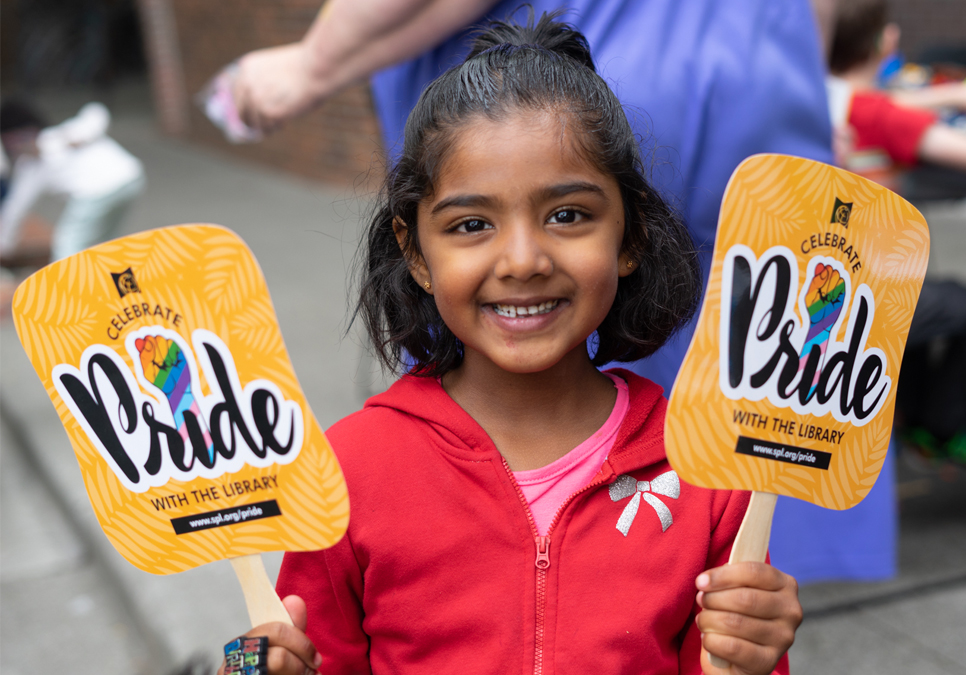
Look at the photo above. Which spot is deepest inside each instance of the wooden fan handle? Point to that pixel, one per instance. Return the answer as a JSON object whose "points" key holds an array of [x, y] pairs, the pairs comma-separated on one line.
{"points": [[264, 605]]}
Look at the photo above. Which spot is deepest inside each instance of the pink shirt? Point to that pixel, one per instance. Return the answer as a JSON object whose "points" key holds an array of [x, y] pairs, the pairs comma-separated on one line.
{"points": [[547, 488]]}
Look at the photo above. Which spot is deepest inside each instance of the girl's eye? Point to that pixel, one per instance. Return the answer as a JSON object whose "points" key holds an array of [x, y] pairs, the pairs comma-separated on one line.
{"points": [[566, 216], [473, 225]]}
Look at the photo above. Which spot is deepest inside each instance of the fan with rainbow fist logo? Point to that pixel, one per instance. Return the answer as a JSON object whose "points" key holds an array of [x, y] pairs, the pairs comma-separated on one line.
{"points": [[789, 384], [162, 355]]}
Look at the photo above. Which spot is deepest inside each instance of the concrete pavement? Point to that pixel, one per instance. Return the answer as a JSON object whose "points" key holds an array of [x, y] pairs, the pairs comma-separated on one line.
{"points": [[59, 607], [71, 603]]}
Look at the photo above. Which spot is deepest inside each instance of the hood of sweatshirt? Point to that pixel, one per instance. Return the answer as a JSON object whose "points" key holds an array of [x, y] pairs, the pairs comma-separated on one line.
{"points": [[639, 443]]}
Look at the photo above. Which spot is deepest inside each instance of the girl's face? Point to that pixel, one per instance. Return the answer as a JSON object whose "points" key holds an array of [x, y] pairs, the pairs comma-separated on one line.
{"points": [[521, 242]]}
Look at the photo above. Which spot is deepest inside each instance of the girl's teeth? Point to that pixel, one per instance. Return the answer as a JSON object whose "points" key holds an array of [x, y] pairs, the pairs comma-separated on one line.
{"points": [[513, 312]]}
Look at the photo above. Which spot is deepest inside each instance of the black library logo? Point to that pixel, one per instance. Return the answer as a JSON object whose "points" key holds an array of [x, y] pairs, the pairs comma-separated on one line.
{"points": [[125, 282], [841, 212]]}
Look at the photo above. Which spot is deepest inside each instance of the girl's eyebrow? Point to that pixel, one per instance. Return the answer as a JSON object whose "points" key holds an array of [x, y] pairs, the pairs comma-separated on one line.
{"points": [[463, 200], [551, 192], [564, 189]]}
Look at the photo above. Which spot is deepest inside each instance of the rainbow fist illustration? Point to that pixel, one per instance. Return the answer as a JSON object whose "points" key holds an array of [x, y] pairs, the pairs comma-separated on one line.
{"points": [[164, 366], [824, 301]]}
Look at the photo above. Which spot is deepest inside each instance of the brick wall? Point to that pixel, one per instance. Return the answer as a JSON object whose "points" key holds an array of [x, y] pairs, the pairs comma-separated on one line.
{"points": [[160, 40], [927, 23], [338, 143]]}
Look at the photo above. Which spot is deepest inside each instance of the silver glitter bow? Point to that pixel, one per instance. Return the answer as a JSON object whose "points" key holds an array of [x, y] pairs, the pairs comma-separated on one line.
{"points": [[666, 485]]}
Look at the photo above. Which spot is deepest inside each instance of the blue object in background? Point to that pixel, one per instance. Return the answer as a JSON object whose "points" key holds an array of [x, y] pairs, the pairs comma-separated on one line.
{"points": [[859, 544], [888, 69]]}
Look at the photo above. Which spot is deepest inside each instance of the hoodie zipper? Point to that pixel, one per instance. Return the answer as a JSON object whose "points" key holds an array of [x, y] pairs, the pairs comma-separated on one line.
{"points": [[542, 561]]}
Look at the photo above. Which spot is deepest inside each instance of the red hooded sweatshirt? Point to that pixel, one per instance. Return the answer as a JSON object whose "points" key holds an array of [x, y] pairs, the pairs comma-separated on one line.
{"points": [[442, 570]]}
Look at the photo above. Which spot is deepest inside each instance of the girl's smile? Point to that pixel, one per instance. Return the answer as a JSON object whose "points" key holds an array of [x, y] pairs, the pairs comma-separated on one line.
{"points": [[513, 310], [520, 317], [520, 242]]}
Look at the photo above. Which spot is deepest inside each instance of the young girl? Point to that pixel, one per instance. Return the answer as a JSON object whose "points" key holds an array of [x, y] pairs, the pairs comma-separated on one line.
{"points": [[512, 507]]}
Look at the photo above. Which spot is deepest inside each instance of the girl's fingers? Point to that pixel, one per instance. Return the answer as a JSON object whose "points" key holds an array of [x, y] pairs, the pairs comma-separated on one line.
{"points": [[750, 613], [747, 574], [283, 662], [290, 652], [744, 656], [762, 632], [754, 603], [292, 641], [297, 611]]}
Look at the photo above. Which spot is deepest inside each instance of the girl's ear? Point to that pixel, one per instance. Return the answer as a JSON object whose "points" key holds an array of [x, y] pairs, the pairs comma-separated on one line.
{"points": [[417, 266], [625, 265]]}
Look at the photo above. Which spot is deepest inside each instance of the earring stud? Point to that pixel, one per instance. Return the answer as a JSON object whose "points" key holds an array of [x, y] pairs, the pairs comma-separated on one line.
{"points": [[427, 285], [630, 263]]}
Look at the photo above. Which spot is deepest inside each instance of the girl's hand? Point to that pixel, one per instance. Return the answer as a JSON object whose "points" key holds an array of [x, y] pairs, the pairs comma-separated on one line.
{"points": [[290, 652], [750, 613]]}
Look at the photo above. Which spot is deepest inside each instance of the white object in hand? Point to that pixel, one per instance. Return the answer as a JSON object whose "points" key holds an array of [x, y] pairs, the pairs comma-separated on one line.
{"points": [[218, 102]]}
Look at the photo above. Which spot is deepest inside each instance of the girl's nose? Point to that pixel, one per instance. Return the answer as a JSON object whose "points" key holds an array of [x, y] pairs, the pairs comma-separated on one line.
{"points": [[523, 254]]}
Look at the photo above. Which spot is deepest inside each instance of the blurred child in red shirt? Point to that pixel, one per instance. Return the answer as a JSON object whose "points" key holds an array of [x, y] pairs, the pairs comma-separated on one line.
{"points": [[879, 133]]}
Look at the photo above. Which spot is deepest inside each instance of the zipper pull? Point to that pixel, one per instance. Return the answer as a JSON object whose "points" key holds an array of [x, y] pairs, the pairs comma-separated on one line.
{"points": [[543, 553]]}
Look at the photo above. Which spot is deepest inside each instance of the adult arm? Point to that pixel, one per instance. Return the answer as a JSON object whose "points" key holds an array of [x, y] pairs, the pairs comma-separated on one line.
{"points": [[349, 40], [951, 95], [944, 145]]}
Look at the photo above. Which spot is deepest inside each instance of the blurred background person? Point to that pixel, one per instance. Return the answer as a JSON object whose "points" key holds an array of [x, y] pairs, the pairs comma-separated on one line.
{"points": [[75, 159], [886, 131]]}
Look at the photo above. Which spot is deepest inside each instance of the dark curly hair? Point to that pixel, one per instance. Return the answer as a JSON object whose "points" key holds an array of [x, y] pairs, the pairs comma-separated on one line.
{"points": [[542, 67]]}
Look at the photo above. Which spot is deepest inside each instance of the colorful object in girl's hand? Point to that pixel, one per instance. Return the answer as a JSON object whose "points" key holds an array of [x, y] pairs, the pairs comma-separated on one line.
{"points": [[788, 386], [171, 377], [247, 656]]}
